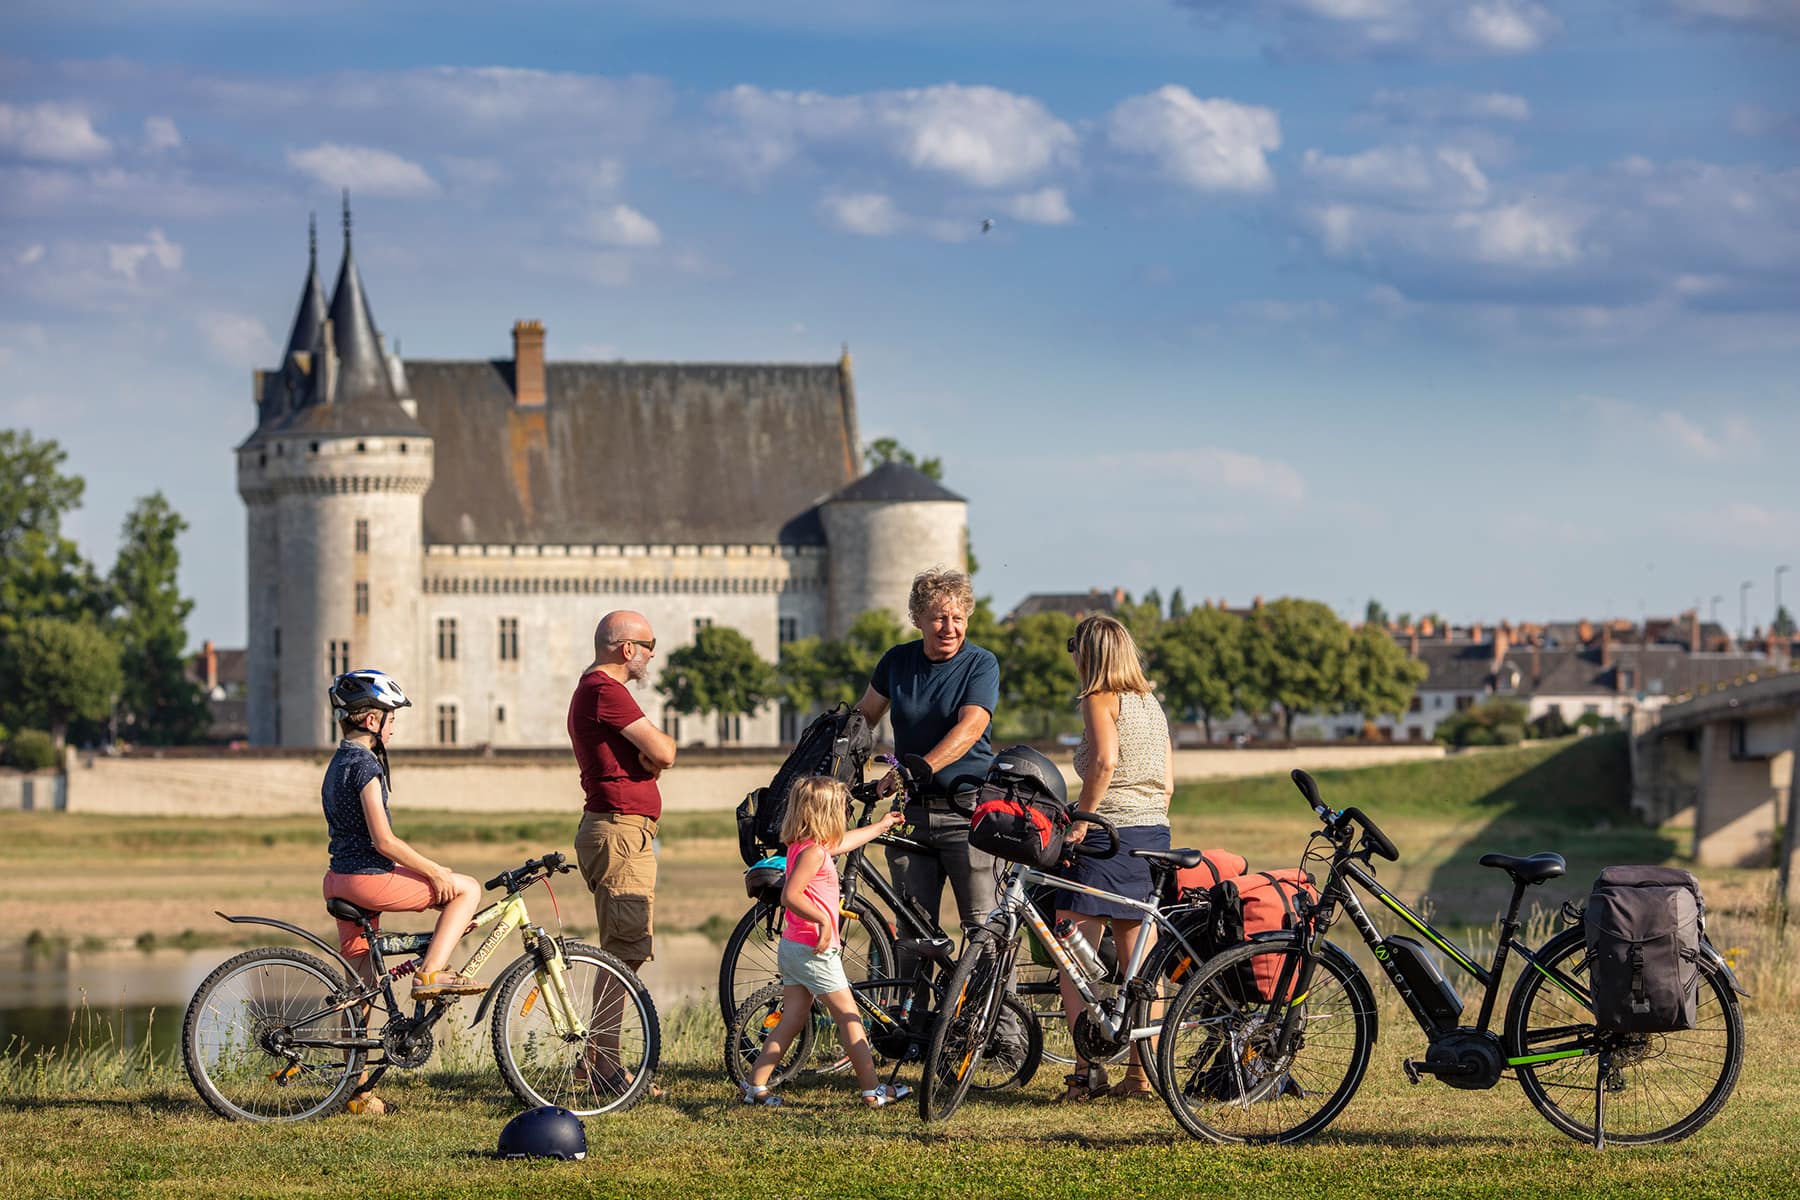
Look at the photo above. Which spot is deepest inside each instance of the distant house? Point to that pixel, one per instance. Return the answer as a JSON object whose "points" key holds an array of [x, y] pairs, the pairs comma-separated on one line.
{"points": [[1074, 604], [224, 675]]}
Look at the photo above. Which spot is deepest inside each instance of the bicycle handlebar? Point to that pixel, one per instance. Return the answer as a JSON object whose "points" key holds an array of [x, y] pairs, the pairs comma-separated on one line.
{"points": [[1081, 847], [1377, 841], [553, 863]]}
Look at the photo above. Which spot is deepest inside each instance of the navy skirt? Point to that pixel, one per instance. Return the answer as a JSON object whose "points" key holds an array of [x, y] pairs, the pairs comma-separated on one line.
{"points": [[1123, 874]]}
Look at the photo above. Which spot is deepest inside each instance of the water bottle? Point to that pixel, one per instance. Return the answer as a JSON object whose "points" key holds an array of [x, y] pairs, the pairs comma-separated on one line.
{"points": [[1078, 947]]}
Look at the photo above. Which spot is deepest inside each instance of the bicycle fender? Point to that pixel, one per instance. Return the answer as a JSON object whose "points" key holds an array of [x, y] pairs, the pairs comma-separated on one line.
{"points": [[487, 997], [350, 973], [1360, 991], [1718, 960]]}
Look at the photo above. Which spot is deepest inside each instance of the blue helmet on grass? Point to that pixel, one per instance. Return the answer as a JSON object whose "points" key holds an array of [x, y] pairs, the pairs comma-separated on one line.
{"points": [[547, 1132]]}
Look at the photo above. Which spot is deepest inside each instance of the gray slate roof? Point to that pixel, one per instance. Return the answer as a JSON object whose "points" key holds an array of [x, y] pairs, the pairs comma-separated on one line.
{"points": [[635, 452], [1656, 669], [896, 482]]}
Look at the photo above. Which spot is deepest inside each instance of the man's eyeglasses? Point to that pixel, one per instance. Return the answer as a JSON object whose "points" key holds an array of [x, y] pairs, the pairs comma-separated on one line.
{"points": [[649, 645], [1071, 645]]}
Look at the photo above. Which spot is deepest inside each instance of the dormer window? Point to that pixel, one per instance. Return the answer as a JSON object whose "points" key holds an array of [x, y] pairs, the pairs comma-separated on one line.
{"points": [[1627, 679]]}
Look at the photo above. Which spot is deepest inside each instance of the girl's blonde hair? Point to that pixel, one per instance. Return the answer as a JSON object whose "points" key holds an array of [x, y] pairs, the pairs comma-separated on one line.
{"points": [[1106, 657], [817, 811]]}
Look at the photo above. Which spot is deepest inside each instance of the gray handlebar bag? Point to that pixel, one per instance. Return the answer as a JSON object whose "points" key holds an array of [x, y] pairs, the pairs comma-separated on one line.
{"points": [[1643, 927]]}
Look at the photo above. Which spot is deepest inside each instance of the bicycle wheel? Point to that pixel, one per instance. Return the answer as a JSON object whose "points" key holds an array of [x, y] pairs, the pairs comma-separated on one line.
{"points": [[608, 1071], [755, 1019], [1036, 986], [965, 1021], [1220, 1075], [1014, 1050], [236, 1038], [1660, 1086], [748, 963]]}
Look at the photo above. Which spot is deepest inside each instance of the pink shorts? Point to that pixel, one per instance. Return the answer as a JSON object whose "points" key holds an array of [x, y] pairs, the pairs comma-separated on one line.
{"points": [[399, 890]]}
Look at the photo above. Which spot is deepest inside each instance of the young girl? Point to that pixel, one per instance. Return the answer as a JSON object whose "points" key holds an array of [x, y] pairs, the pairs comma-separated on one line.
{"points": [[810, 954], [370, 866]]}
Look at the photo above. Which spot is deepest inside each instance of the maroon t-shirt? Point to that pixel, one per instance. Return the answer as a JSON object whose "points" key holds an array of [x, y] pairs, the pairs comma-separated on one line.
{"points": [[612, 776]]}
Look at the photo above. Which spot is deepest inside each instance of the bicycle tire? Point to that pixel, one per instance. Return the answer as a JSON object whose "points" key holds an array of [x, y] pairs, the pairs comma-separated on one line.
{"points": [[960, 1032], [1216, 1077], [1005, 1070], [750, 1027], [540, 1065], [238, 1006], [748, 962], [1663, 1087]]}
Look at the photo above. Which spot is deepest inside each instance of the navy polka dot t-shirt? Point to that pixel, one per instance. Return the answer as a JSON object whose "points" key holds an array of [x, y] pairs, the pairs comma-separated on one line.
{"points": [[352, 853]]}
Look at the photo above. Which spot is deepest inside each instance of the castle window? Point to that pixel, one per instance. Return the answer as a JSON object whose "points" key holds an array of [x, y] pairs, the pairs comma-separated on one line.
{"points": [[787, 629], [671, 723], [312, 447], [362, 447], [262, 460], [701, 623], [362, 598], [275, 633], [446, 724], [1416, 705], [362, 535], [509, 639], [731, 730], [500, 714], [446, 639], [403, 447], [339, 655]]}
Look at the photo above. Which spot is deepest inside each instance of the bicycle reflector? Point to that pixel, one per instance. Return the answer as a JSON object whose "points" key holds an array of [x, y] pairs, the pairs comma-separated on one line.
{"points": [[546, 1132]]}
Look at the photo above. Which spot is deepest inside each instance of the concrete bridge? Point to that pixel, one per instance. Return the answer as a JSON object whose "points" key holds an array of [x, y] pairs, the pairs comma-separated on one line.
{"points": [[1727, 753]]}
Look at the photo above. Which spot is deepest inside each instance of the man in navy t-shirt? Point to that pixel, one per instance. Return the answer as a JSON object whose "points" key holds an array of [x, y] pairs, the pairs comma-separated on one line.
{"points": [[941, 692]]}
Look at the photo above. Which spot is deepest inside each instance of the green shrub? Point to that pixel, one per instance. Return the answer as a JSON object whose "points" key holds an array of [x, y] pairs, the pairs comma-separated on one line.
{"points": [[1508, 735], [31, 750]]}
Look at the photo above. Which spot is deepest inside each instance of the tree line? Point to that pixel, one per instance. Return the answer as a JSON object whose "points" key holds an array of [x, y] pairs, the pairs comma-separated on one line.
{"points": [[86, 656], [1291, 656]]}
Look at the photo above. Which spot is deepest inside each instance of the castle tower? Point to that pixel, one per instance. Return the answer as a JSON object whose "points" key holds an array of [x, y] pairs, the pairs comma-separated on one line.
{"points": [[881, 531], [334, 479]]}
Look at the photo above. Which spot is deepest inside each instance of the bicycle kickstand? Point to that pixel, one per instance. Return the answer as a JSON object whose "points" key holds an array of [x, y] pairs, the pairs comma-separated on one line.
{"points": [[1600, 1100]]}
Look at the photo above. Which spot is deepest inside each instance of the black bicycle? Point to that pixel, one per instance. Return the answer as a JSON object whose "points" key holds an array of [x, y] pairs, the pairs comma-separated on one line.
{"points": [[1269, 1040]]}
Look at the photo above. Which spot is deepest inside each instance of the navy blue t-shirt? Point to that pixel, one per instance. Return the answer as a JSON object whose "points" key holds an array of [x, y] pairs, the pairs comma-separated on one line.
{"points": [[924, 698], [352, 851]]}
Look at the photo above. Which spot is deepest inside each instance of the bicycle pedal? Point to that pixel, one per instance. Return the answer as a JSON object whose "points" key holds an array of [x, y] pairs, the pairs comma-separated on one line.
{"points": [[1412, 1071]]}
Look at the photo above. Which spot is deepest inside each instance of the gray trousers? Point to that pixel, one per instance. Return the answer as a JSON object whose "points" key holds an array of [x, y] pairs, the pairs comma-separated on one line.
{"points": [[973, 874]]}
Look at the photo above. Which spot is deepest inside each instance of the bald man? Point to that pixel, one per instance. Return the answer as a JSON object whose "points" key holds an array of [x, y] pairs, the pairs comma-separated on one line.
{"points": [[620, 754]]}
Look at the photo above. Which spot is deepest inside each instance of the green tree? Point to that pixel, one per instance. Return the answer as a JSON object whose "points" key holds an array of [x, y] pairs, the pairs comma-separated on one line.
{"points": [[1198, 661], [41, 571], [1379, 677], [1490, 723], [818, 673], [719, 673], [1143, 617], [887, 449], [158, 702], [1037, 672], [1177, 605], [60, 671], [1295, 654], [1783, 625], [1374, 613], [1403, 620]]}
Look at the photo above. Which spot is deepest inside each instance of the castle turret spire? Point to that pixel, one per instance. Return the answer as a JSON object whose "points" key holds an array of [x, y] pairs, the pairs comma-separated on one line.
{"points": [[309, 318], [361, 372]]}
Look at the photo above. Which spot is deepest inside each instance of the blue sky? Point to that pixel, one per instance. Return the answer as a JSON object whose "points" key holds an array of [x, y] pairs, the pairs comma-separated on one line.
{"points": [[1489, 307]]}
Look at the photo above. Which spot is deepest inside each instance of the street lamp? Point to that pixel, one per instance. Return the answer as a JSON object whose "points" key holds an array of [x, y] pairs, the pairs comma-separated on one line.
{"points": [[1713, 617], [1779, 572], [1744, 611]]}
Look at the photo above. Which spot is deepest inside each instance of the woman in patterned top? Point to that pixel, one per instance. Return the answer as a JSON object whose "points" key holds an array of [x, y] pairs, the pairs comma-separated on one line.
{"points": [[1125, 762]]}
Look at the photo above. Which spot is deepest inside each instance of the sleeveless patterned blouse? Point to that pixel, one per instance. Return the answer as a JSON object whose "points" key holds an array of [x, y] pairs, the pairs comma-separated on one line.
{"points": [[1135, 796]]}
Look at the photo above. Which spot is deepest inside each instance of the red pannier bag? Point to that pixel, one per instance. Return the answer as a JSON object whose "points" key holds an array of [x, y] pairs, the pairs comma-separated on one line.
{"points": [[1216, 866], [1267, 901]]}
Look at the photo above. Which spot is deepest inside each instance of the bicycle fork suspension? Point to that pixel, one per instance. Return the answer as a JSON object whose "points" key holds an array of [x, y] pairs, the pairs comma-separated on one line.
{"points": [[553, 986]]}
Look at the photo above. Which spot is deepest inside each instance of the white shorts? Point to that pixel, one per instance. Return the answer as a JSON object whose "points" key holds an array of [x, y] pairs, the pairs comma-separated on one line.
{"points": [[820, 974]]}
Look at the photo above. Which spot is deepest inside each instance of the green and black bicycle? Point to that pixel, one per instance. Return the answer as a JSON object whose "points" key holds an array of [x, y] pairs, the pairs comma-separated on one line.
{"points": [[1269, 1040], [279, 1034]]}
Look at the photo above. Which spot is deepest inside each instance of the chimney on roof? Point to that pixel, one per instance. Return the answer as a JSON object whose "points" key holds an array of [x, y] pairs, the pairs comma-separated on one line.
{"points": [[1426, 627], [1537, 661], [1606, 645], [528, 364], [1257, 604], [1446, 631], [1693, 616], [1118, 596], [209, 661], [1502, 644], [1585, 631], [1412, 647], [1475, 632]]}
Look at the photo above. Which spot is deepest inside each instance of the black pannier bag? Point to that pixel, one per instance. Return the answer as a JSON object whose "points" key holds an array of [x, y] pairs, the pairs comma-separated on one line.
{"points": [[1643, 927], [836, 744]]}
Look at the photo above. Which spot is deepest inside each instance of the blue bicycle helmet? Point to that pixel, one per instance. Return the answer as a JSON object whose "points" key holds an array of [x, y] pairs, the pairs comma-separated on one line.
{"points": [[546, 1132], [366, 688]]}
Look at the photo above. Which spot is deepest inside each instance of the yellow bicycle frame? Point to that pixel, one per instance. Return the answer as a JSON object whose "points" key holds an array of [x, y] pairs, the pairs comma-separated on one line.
{"points": [[509, 914]]}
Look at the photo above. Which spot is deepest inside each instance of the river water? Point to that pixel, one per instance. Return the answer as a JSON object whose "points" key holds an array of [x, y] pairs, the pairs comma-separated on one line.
{"points": [[127, 997]]}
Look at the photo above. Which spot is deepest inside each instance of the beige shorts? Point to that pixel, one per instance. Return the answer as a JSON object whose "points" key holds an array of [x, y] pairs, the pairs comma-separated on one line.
{"points": [[613, 851]]}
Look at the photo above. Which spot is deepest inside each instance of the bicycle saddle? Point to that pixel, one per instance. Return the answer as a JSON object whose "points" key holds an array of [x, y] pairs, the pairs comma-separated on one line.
{"points": [[938, 950], [1182, 858], [1535, 869], [343, 910]]}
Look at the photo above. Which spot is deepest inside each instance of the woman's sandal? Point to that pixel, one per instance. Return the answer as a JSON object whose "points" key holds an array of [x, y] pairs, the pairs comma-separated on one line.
{"points": [[1134, 1086], [1084, 1085], [761, 1097], [881, 1097], [369, 1104]]}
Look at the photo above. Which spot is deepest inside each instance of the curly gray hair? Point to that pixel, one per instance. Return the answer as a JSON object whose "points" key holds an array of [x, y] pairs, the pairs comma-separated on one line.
{"points": [[933, 587]]}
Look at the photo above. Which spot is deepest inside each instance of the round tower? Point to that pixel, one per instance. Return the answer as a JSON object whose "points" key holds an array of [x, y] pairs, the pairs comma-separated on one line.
{"points": [[882, 530], [334, 481]]}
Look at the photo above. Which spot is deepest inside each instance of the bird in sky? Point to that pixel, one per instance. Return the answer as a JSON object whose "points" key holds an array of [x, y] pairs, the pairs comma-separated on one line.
{"points": [[987, 224]]}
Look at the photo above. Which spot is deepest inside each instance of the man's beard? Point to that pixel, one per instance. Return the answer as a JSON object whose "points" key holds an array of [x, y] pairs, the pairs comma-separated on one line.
{"points": [[637, 670]]}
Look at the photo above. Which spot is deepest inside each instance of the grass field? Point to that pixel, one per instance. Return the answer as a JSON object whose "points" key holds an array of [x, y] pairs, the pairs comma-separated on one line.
{"points": [[104, 1123]]}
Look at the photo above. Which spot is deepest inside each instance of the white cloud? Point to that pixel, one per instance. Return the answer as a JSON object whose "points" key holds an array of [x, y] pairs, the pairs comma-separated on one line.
{"points": [[52, 132], [126, 258], [1208, 145], [1389, 28], [1213, 467], [1447, 106], [1731, 438], [1447, 175], [31, 254], [984, 136], [1047, 206], [620, 225], [237, 340], [363, 169], [160, 133], [870, 214]]}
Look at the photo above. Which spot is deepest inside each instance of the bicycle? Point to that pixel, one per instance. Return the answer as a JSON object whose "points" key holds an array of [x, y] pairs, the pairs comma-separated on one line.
{"points": [[279, 1034], [1269, 1040], [1112, 1018]]}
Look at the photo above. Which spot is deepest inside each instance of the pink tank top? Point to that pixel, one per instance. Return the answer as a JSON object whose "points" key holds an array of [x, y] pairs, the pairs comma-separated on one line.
{"points": [[822, 891]]}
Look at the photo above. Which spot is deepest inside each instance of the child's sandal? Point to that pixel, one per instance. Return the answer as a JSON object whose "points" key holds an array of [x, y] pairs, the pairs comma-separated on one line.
{"points": [[761, 1097], [881, 1097]]}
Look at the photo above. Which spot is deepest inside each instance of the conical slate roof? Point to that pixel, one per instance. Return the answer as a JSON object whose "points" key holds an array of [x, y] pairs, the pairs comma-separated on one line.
{"points": [[309, 319], [895, 482], [362, 375]]}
